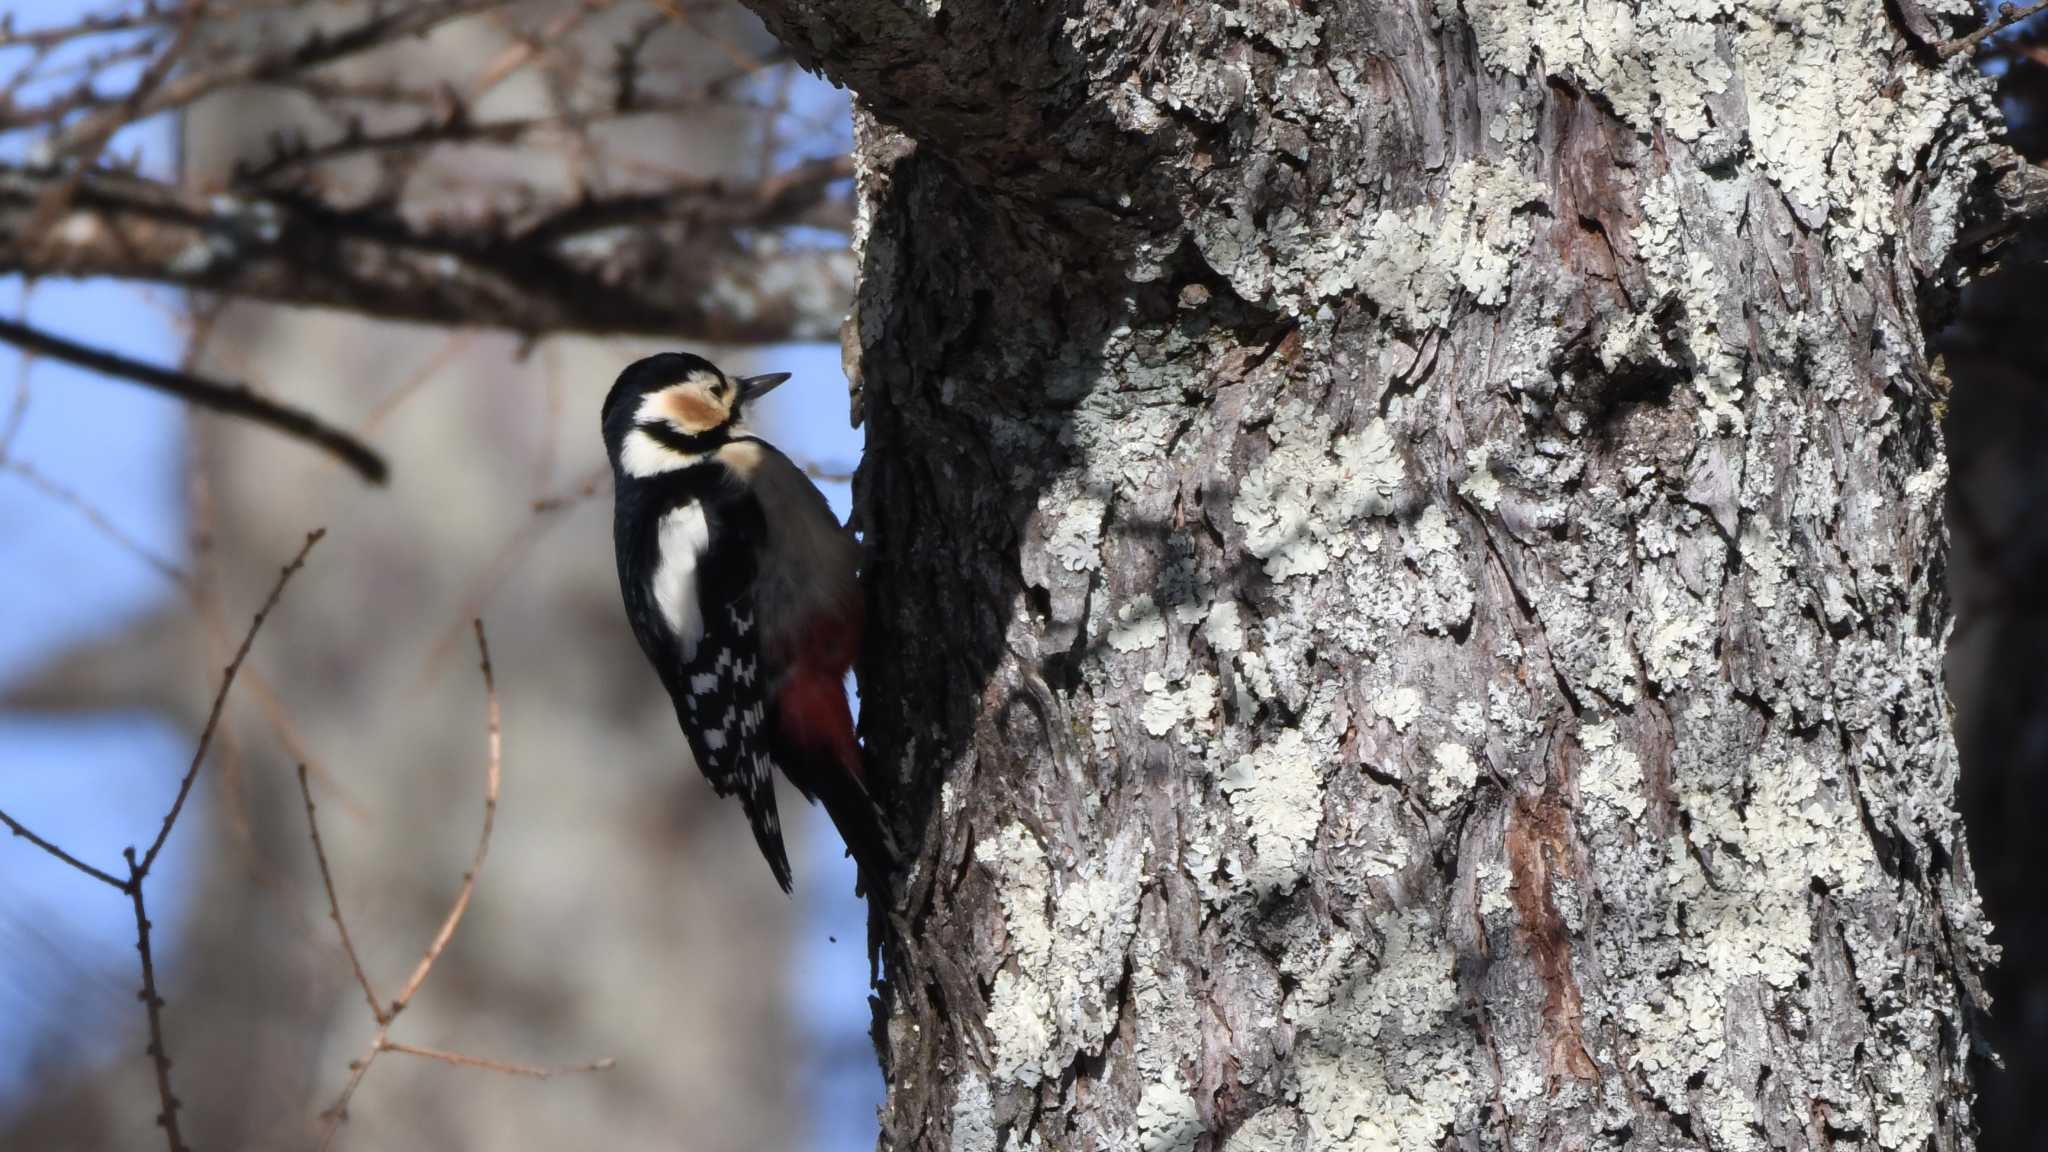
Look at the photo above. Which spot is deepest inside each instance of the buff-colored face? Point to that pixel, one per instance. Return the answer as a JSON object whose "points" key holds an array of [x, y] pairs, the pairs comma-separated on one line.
{"points": [[677, 424], [696, 404]]}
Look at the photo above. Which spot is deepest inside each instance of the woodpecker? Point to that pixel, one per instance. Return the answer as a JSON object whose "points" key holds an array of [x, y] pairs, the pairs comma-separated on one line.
{"points": [[744, 593]]}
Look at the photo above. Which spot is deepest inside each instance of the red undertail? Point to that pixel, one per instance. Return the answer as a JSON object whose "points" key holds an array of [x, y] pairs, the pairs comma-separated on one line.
{"points": [[817, 725], [813, 697]]}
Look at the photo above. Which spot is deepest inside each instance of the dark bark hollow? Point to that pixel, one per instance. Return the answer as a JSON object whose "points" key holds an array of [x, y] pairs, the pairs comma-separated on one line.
{"points": [[1406, 573]]}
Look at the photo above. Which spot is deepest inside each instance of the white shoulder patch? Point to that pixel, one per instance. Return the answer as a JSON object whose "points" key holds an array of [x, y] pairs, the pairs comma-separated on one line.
{"points": [[642, 456], [682, 539]]}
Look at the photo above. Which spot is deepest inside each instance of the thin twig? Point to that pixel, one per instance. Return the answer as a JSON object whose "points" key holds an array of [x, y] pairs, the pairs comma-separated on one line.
{"points": [[338, 1111], [21, 830], [483, 843], [526, 46], [532, 1071], [454, 346], [93, 515], [230, 398], [153, 1007], [220, 698], [2007, 17], [586, 490], [17, 409], [314, 51], [355, 962]]}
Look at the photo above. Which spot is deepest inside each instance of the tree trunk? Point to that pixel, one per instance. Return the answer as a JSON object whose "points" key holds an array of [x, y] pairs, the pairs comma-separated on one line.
{"points": [[1407, 569]]}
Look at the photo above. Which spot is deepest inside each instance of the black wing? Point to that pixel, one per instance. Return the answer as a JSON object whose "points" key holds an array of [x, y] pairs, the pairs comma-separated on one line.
{"points": [[724, 710], [720, 695]]}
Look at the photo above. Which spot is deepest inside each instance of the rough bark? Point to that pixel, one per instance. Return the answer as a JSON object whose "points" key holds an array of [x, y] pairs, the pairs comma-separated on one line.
{"points": [[1408, 571]]}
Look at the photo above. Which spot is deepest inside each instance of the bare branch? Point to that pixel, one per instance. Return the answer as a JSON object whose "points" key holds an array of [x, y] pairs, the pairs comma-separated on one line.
{"points": [[355, 961], [228, 398], [2008, 16], [92, 514], [455, 345], [699, 259], [586, 490], [220, 699], [382, 1042], [483, 843], [531, 1071], [785, 197], [21, 830], [312, 51], [153, 1007]]}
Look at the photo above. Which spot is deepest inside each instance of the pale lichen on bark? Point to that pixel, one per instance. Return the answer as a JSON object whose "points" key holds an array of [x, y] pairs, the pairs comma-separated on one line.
{"points": [[1432, 512]]}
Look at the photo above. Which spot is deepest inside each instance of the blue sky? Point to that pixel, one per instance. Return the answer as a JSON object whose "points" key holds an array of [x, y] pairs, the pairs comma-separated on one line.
{"points": [[94, 783]]}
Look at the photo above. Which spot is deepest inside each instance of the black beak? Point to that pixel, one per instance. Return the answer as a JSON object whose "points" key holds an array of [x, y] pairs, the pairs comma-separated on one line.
{"points": [[752, 388]]}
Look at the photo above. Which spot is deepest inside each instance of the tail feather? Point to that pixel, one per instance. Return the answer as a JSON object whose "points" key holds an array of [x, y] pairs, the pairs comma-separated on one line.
{"points": [[823, 759], [759, 804]]}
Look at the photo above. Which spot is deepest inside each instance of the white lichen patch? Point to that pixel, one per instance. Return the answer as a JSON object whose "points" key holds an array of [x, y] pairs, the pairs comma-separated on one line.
{"points": [[1453, 776], [1223, 630], [1748, 930], [1297, 506], [1655, 64], [1765, 559], [1469, 718], [1138, 625], [974, 1127], [1815, 113], [1674, 635], [1075, 540], [1024, 886], [1907, 1120], [1277, 795], [1020, 1024], [1272, 1129], [1481, 486], [1398, 706], [1414, 262], [1496, 890], [1166, 707], [1051, 999], [1445, 600], [1613, 775], [1167, 1119], [1926, 486], [1680, 271], [1387, 1067]]}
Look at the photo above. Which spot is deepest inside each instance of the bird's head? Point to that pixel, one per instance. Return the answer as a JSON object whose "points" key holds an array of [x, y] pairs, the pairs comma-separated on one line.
{"points": [[667, 410]]}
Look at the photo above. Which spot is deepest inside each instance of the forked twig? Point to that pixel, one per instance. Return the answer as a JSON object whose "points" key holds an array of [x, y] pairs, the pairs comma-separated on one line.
{"points": [[153, 1008], [386, 1015], [139, 866], [355, 962], [220, 698], [24, 832], [483, 842]]}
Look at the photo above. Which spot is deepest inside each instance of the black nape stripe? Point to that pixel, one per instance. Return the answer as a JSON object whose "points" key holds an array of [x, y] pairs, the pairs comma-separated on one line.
{"points": [[667, 436]]}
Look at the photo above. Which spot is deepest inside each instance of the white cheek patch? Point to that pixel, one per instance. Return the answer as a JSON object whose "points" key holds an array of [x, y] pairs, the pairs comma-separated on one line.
{"points": [[682, 540], [642, 456]]}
